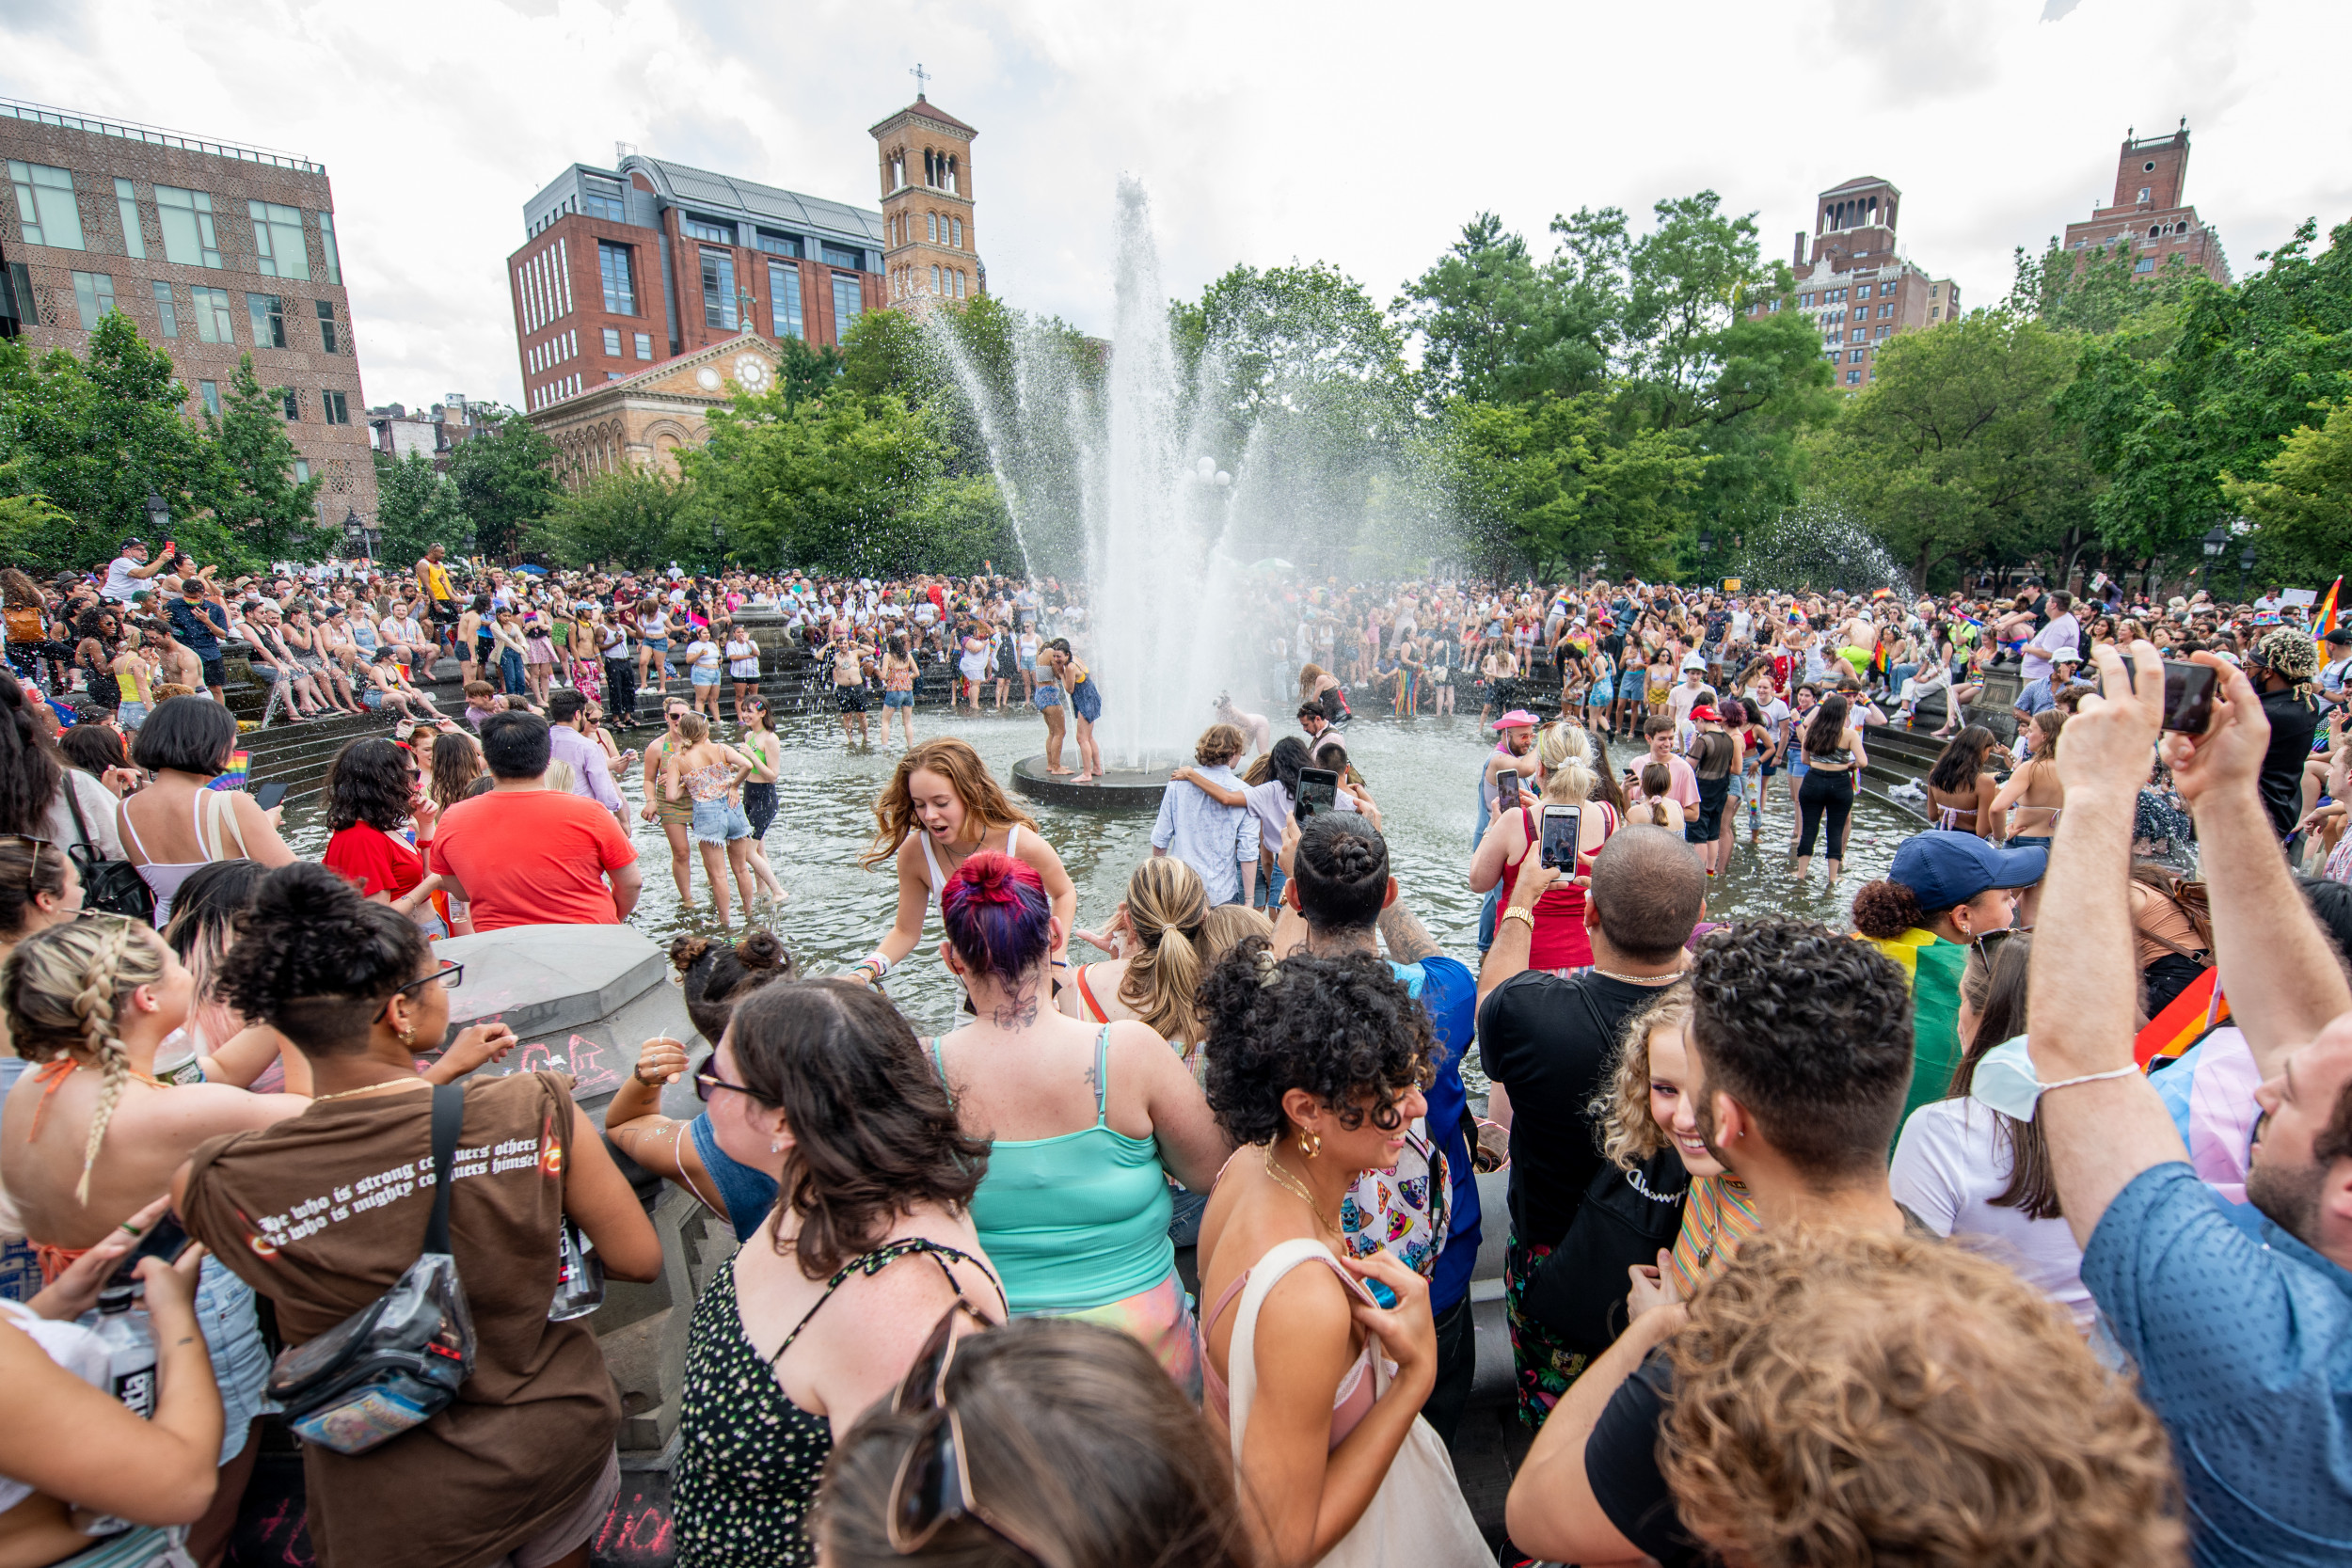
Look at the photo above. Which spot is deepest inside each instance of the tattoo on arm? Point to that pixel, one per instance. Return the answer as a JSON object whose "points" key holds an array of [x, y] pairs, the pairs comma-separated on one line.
{"points": [[1409, 940]]}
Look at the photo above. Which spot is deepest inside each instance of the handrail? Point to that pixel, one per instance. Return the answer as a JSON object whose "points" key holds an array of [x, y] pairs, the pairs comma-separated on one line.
{"points": [[42, 114]]}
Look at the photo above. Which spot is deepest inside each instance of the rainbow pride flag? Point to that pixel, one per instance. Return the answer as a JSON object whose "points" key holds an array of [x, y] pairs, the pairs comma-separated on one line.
{"points": [[236, 775], [2183, 1022], [2324, 621]]}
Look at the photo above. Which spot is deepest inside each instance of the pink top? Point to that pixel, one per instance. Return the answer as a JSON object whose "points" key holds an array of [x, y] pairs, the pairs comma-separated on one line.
{"points": [[1348, 1406]]}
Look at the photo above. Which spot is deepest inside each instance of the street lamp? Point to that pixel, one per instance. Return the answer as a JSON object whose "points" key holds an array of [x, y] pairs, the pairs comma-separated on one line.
{"points": [[2217, 542], [2244, 570], [1707, 542], [158, 515]]}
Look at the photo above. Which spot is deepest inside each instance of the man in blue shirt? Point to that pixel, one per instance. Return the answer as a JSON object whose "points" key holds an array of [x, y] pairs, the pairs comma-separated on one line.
{"points": [[2238, 1319], [1340, 892], [199, 622]]}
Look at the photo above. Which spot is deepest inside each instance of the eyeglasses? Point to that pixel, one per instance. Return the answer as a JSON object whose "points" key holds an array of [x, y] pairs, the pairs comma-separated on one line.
{"points": [[934, 1482], [707, 1079], [450, 975]]}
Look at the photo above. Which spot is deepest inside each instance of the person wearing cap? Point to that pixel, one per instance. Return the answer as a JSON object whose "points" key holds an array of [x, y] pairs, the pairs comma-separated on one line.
{"points": [[1945, 892], [2336, 663], [2282, 668], [127, 574], [2042, 690]]}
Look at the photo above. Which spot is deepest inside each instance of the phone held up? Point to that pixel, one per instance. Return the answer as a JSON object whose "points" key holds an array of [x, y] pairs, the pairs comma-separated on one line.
{"points": [[2188, 690], [1318, 791], [1562, 826], [267, 795], [164, 1239]]}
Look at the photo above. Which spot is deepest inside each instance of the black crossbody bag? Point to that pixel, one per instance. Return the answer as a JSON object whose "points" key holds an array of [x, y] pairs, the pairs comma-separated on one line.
{"points": [[399, 1361], [112, 886]]}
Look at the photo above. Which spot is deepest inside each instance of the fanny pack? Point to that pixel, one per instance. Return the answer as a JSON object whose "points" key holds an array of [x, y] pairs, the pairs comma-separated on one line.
{"points": [[399, 1361]]}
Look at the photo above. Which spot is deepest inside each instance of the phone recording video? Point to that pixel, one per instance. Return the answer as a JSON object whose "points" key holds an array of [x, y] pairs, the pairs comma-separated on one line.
{"points": [[2188, 696], [1318, 790], [1507, 788], [1562, 825]]}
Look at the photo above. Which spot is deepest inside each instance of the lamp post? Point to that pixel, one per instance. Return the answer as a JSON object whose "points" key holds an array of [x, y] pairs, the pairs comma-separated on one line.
{"points": [[358, 532], [718, 541], [2244, 570], [158, 516], [2216, 542]]}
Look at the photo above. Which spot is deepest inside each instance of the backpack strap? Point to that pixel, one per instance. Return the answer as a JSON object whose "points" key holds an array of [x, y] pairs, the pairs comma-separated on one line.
{"points": [[449, 1115]]}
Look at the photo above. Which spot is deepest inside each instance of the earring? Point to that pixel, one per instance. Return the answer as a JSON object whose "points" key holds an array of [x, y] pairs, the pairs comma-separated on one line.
{"points": [[1310, 1144], [776, 1147], [407, 1035]]}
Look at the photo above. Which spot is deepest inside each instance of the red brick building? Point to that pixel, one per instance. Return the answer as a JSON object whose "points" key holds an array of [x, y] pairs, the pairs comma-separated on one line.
{"points": [[933, 243], [1855, 284], [2149, 219]]}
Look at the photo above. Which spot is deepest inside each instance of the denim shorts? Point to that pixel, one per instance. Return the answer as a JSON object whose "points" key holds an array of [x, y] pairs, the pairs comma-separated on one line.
{"points": [[898, 699], [704, 677], [718, 821]]}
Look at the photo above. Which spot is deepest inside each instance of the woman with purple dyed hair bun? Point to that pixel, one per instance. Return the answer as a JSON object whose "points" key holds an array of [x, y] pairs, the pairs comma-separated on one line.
{"points": [[1089, 1122]]}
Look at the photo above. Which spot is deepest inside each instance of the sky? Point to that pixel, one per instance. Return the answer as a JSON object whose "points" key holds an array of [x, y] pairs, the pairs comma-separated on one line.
{"points": [[1267, 131]]}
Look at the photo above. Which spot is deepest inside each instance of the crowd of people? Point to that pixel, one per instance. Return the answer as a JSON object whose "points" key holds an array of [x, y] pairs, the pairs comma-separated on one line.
{"points": [[1946, 1234]]}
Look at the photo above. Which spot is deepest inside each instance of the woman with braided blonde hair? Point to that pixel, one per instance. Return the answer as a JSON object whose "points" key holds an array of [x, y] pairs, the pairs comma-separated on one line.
{"points": [[90, 1137]]}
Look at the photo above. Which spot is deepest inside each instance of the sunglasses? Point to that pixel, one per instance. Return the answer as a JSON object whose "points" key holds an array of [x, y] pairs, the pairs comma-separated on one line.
{"points": [[707, 1082], [934, 1482]]}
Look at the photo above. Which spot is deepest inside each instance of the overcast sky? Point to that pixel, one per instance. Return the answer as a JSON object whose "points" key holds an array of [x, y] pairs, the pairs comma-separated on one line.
{"points": [[1363, 135]]}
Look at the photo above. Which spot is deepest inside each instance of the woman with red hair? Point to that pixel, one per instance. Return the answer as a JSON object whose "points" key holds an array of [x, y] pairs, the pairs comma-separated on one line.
{"points": [[1087, 1121]]}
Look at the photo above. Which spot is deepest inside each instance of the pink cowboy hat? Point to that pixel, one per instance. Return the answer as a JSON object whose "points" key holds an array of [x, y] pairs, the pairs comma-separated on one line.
{"points": [[1518, 719]]}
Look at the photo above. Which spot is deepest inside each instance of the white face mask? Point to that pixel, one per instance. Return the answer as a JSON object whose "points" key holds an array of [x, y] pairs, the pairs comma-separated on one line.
{"points": [[2004, 1080]]}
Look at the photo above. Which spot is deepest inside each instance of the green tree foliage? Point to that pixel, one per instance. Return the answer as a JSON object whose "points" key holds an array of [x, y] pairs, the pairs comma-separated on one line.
{"points": [[1495, 327], [2175, 399], [505, 482], [1556, 483], [804, 371], [1954, 452], [417, 507], [2302, 507], [636, 519], [2095, 289], [252, 487]]}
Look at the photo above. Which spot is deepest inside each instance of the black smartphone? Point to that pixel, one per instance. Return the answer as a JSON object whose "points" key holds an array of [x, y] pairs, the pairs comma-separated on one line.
{"points": [[1318, 790], [1562, 825], [1508, 789], [2188, 696], [166, 1238], [267, 795]]}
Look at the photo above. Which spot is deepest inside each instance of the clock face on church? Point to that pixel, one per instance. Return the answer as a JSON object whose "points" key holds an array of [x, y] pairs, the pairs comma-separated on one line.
{"points": [[751, 373]]}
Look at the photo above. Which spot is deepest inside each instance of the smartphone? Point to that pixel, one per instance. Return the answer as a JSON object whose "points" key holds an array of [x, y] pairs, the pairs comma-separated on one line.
{"points": [[267, 795], [1508, 789], [1562, 825], [1318, 790], [166, 1238], [2188, 696]]}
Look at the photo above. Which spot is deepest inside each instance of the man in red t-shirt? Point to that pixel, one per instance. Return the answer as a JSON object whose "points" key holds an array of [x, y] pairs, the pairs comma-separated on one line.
{"points": [[525, 855]]}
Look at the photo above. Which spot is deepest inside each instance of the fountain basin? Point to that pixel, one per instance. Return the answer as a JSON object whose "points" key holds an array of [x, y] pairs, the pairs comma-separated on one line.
{"points": [[1135, 789]]}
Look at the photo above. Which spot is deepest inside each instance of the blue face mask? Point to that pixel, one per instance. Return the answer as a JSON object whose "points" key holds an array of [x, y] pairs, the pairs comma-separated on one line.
{"points": [[2005, 1082]]}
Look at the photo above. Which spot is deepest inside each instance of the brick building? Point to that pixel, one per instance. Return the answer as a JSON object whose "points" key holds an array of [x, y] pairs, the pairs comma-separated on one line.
{"points": [[1858, 288], [434, 433], [2148, 220], [933, 243], [212, 250]]}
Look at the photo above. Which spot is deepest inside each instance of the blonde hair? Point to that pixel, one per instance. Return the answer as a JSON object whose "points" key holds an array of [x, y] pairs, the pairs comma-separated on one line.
{"points": [[1566, 754], [62, 990], [1225, 927], [1165, 902], [560, 777], [985, 804], [1630, 1132], [693, 728]]}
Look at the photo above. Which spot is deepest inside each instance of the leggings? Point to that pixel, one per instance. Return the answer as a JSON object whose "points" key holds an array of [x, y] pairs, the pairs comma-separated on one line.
{"points": [[1822, 792], [759, 807], [620, 685]]}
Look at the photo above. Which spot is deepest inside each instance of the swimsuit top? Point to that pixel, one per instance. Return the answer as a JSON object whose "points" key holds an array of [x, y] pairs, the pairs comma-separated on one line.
{"points": [[163, 878], [1350, 1402], [939, 877], [710, 781]]}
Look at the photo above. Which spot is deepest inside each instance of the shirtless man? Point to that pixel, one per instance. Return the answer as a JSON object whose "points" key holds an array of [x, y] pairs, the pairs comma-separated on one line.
{"points": [[849, 684], [175, 661]]}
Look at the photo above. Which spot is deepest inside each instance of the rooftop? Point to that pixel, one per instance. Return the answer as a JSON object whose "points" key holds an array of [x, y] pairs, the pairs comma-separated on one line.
{"points": [[131, 130], [1858, 182], [690, 186], [924, 106]]}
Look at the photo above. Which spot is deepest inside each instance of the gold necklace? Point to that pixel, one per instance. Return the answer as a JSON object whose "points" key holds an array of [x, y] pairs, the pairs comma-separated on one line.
{"points": [[1285, 1180], [388, 1084], [1666, 979]]}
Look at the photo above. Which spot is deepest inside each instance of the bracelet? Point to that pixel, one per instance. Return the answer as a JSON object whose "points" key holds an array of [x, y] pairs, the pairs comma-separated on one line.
{"points": [[877, 962], [1515, 912]]}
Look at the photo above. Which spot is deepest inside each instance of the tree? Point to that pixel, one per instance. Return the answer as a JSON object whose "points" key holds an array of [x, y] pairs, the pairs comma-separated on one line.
{"points": [[804, 371], [417, 507], [250, 482], [2095, 289], [1495, 327], [2302, 509], [636, 519], [505, 480], [1552, 485], [1954, 452]]}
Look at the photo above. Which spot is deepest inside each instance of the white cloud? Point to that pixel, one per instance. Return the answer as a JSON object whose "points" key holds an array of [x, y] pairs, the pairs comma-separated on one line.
{"points": [[1363, 135]]}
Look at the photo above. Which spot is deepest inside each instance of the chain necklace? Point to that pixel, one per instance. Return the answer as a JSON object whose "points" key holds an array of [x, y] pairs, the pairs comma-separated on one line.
{"points": [[1666, 979], [388, 1084], [1285, 1180]]}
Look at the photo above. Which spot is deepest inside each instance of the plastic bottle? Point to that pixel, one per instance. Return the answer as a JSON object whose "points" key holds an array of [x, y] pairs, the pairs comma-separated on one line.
{"points": [[123, 1328], [176, 1060], [578, 1276]]}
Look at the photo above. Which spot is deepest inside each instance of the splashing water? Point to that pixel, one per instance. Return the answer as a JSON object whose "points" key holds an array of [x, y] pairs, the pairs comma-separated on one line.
{"points": [[1818, 546]]}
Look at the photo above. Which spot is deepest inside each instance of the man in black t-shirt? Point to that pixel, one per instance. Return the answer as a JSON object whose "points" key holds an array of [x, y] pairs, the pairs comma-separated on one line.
{"points": [[1548, 1043], [2282, 668], [1801, 1046]]}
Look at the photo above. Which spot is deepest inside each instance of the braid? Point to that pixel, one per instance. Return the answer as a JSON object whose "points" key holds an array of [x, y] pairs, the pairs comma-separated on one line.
{"points": [[95, 1007]]}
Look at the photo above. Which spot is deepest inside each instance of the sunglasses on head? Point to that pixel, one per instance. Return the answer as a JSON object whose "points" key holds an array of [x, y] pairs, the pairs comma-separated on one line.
{"points": [[934, 1485]]}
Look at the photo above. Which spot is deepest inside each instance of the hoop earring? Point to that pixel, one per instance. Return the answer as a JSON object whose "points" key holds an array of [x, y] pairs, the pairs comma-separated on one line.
{"points": [[1310, 1144]]}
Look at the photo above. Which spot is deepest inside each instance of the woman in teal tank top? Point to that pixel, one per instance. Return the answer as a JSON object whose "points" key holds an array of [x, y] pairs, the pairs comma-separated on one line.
{"points": [[1086, 1124]]}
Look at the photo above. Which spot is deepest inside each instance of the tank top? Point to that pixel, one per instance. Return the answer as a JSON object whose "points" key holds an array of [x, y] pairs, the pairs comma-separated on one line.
{"points": [[939, 877], [1078, 1220], [1559, 939], [1350, 1402]]}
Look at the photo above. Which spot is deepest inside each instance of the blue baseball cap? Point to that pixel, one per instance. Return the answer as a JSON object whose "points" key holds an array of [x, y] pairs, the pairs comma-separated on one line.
{"points": [[1943, 868]]}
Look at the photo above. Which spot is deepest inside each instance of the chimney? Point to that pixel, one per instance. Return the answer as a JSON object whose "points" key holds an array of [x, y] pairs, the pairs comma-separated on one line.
{"points": [[1799, 259]]}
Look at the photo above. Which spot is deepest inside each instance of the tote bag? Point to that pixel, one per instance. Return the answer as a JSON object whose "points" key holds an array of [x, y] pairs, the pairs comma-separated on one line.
{"points": [[1418, 1519]]}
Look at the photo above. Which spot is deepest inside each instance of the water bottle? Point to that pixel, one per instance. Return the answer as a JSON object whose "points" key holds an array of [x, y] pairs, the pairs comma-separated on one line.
{"points": [[130, 1342], [578, 1276], [176, 1060]]}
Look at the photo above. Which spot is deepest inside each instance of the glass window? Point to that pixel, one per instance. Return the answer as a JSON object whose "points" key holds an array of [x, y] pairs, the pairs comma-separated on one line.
{"points": [[267, 312], [1853, 378], [780, 245], [613, 342], [645, 345], [1855, 358], [620, 286], [334, 407], [719, 290], [601, 198], [166, 314], [848, 303], [208, 393], [932, 220], [934, 279], [93, 296], [302, 470], [127, 203], [212, 316], [292, 404], [186, 218], [957, 224], [838, 256], [784, 302], [277, 243], [44, 205], [709, 228], [2146, 263], [326, 245], [326, 325]]}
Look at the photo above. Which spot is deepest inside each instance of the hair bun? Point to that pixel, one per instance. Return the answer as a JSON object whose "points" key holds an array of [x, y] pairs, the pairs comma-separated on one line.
{"points": [[686, 952], [762, 949]]}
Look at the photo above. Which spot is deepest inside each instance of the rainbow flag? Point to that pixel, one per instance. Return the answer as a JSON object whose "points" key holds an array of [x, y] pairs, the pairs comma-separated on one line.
{"points": [[2324, 621], [2183, 1022], [236, 774]]}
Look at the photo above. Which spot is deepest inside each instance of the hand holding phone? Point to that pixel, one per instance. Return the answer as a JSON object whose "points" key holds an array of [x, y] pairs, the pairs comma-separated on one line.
{"points": [[1318, 791], [1561, 829], [267, 795], [2188, 690]]}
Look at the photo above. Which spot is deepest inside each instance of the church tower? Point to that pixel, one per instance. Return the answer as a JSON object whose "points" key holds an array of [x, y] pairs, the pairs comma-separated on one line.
{"points": [[932, 248]]}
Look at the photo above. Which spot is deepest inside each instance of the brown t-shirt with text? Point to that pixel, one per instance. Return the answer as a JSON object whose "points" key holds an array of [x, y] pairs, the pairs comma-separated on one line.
{"points": [[324, 1212]]}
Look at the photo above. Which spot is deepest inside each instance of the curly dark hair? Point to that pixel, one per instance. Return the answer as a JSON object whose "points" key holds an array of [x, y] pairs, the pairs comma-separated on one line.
{"points": [[716, 976], [1342, 1028], [368, 782], [1810, 1031], [874, 1133], [316, 961]]}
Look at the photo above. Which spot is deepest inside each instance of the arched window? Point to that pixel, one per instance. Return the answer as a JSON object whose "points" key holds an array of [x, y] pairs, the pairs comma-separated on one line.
{"points": [[934, 280], [931, 222], [959, 227], [2155, 230], [951, 175]]}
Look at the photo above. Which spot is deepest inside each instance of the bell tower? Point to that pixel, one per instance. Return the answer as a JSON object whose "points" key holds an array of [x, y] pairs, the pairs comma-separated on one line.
{"points": [[931, 243]]}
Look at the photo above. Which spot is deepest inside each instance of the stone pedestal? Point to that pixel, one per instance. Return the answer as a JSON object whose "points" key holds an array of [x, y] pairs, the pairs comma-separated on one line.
{"points": [[1995, 707], [1113, 789]]}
